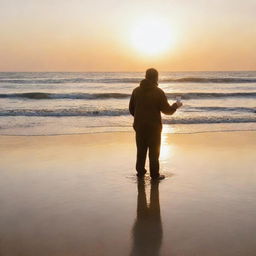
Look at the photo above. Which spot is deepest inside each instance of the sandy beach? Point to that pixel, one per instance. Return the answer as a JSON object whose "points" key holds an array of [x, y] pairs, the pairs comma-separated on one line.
{"points": [[78, 195]]}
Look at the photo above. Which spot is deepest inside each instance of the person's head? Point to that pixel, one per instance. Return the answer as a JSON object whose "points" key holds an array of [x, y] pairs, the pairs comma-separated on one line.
{"points": [[152, 74]]}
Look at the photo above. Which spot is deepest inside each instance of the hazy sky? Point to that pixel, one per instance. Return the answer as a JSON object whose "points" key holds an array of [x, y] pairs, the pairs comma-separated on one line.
{"points": [[96, 35]]}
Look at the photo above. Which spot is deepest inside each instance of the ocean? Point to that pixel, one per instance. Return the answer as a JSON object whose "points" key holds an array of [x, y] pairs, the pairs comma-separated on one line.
{"points": [[50, 103]]}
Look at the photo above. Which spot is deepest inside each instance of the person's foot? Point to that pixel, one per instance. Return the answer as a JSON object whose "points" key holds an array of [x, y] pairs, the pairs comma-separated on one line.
{"points": [[141, 174], [160, 177]]}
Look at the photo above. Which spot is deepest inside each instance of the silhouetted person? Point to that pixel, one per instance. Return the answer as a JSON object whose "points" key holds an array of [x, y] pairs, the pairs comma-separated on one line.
{"points": [[146, 104], [147, 230]]}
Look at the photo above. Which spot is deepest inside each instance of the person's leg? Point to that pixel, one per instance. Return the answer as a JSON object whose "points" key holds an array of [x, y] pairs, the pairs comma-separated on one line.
{"points": [[154, 152], [141, 142]]}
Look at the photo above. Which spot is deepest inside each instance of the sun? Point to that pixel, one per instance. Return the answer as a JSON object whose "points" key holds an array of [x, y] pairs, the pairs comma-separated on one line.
{"points": [[152, 36]]}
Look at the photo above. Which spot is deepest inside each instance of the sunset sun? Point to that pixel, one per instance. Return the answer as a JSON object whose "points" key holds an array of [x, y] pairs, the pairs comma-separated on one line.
{"points": [[152, 37]]}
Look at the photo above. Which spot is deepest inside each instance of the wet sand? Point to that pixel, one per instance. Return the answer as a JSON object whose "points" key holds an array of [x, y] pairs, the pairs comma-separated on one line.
{"points": [[78, 195]]}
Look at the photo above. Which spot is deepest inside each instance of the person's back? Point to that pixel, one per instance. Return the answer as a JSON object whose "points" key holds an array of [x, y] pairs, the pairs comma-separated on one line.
{"points": [[146, 104]]}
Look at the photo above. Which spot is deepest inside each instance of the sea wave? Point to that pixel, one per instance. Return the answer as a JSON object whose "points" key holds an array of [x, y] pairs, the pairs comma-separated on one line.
{"points": [[45, 95], [211, 80], [63, 112], [210, 120], [220, 109], [111, 112], [93, 96], [205, 95], [130, 80], [203, 119]]}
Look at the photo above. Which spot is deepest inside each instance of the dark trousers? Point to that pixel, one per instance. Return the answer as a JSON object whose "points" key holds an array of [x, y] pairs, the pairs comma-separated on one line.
{"points": [[148, 140]]}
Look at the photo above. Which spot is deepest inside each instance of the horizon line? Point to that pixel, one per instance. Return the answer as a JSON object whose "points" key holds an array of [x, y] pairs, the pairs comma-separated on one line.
{"points": [[125, 71]]}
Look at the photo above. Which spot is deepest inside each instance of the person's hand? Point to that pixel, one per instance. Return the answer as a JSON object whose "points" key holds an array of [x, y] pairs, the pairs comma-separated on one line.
{"points": [[179, 103]]}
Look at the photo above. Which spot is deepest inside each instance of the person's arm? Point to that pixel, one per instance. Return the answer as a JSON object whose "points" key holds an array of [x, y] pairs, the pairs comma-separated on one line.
{"points": [[132, 104], [165, 107]]}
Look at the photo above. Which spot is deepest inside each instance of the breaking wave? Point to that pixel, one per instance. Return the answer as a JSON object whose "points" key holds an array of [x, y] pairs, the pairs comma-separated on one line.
{"points": [[112, 112], [131, 80], [93, 96]]}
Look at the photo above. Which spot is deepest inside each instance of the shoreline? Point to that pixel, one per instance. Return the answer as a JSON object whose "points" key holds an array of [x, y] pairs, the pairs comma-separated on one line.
{"points": [[108, 132]]}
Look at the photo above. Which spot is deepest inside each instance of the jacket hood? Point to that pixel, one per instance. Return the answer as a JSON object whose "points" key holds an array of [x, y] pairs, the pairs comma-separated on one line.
{"points": [[147, 84]]}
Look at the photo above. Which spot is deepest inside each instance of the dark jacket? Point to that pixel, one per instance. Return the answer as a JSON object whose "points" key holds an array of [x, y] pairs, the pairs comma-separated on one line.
{"points": [[146, 104]]}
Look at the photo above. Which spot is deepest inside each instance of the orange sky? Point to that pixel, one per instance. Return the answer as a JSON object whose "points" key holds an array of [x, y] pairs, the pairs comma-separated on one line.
{"points": [[97, 35]]}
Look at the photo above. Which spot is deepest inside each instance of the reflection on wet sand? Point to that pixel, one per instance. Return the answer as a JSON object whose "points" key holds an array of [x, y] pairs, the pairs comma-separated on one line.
{"points": [[147, 230]]}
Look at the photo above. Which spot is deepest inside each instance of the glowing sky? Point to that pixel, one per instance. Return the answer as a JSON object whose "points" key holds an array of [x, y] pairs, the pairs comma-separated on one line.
{"points": [[98, 35]]}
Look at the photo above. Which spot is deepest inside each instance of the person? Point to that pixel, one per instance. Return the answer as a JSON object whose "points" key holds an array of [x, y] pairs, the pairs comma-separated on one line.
{"points": [[146, 104]]}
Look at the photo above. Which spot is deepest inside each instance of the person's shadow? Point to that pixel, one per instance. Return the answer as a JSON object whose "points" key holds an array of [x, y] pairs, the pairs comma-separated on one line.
{"points": [[147, 230]]}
